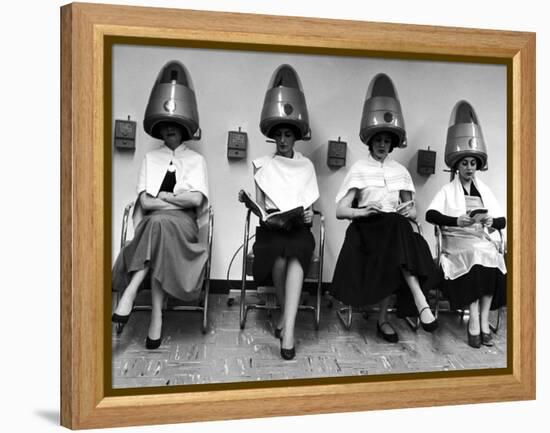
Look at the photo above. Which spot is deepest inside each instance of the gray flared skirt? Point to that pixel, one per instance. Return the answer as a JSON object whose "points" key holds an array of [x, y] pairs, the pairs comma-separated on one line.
{"points": [[167, 242]]}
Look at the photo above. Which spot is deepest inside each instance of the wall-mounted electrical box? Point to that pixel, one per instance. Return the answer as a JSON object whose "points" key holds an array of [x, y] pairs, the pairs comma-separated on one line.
{"points": [[336, 155], [125, 134], [236, 144], [425, 163]]}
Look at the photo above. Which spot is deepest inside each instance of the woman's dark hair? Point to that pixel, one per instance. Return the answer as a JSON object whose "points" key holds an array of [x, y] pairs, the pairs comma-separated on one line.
{"points": [[478, 162], [394, 139], [184, 132], [296, 131]]}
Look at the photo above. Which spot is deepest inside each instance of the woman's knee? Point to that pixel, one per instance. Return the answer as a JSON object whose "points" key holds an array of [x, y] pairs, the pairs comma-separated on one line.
{"points": [[294, 263], [157, 219]]}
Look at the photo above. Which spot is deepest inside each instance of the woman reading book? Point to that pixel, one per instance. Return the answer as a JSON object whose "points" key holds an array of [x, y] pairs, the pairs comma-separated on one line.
{"points": [[285, 181], [467, 211], [381, 254]]}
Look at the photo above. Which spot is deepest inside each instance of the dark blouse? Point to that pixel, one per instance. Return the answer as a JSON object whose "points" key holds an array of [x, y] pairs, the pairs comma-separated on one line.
{"points": [[436, 217], [169, 182]]}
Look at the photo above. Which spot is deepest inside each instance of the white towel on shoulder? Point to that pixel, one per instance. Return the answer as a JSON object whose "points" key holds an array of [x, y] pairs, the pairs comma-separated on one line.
{"points": [[287, 182]]}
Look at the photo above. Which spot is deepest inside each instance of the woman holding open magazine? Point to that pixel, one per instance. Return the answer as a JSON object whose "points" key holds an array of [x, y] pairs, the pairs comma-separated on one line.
{"points": [[381, 254], [285, 183], [468, 213]]}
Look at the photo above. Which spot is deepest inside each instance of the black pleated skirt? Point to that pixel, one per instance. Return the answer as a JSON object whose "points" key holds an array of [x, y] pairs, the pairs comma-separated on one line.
{"points": [[370, 263], [480, 281], [271, 244]]}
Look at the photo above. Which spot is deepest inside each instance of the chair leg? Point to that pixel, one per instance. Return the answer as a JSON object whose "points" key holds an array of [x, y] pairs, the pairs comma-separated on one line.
{"points": [[496, 327], [317, 310], [414, 323], [347, 318], [242, 301], [205, 310], [436, 309]]}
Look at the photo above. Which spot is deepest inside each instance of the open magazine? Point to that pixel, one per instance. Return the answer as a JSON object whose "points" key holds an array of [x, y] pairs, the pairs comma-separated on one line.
{"points": [[279, 220], [405, 206], [400, 207], [477, 214]]}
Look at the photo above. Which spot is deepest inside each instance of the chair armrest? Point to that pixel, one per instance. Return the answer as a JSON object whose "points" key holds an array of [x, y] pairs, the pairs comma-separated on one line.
{"points": [[125, 222], [438, 242], [416, 224], [501, 244], [210, 227], [321, 239]]}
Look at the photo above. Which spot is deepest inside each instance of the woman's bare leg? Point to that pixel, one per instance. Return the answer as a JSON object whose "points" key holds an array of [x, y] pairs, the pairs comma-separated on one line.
{"points": [[485, 307], [383, 316], [155, 325], [419, 298], [278, 274], [293, 286], [126, 301], [473, 322]]}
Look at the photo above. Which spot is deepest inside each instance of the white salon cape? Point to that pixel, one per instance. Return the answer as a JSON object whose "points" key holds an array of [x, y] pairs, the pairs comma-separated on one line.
{"points": [[465, 247], [286, 182], [377, 182], [191, 175]]}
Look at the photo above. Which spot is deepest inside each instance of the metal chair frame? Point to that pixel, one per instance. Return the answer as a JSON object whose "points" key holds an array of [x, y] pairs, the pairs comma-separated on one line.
{"points": [[439, 253], [269, 306], [203, 304]]}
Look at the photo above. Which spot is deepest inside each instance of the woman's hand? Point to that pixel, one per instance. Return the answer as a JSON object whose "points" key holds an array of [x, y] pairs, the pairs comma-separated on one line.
{"points": [[464, 221], [409, 212], [308, 216], [369, 209], [163, 195], [240, 196], [487, 220]]}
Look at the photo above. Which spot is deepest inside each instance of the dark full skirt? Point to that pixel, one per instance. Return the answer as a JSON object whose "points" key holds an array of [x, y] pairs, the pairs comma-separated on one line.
{"points": [[271, 244], [480, 281], [167, 242], [369, 267]]}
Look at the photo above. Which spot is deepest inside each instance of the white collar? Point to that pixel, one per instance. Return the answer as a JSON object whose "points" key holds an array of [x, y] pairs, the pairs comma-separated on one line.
{"points": [[373, 161], [177, 152]]}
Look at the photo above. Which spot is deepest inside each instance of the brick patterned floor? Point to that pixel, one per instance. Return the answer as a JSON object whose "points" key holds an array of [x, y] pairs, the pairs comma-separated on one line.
{"points": [[227, 354]]}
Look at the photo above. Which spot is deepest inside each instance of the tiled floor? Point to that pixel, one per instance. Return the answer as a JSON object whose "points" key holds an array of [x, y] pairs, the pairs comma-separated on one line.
{"points": [[227, 354]]}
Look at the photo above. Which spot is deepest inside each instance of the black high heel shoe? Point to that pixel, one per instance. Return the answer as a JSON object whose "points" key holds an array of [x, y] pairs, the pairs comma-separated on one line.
{"points": [[153, 344], [287, 354], [428, 327], [117, 318], [474, 340], [487, 339], [121, 321], [390, 338]]}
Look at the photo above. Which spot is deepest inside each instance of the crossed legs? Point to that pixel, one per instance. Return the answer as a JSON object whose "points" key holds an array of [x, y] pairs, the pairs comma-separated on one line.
{"points": [[425, 314], [288, 277], [418, 296], [126, 303]]}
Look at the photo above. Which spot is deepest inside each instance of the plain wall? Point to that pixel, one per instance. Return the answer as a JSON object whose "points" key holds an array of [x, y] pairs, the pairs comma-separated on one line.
{"points": [[230, 88]]}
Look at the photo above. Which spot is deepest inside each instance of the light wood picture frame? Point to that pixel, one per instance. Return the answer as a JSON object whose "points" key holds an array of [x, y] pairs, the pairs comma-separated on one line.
{"points": [[86, 32]]}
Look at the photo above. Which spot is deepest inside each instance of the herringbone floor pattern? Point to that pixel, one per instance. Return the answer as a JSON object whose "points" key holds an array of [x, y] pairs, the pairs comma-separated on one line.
{"points": [[228, 354]]}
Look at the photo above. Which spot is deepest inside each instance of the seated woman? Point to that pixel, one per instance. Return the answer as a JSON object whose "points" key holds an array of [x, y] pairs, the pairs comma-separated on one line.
{"points": [[172, 194], [381, 254], [473, 266], [284, 181]]}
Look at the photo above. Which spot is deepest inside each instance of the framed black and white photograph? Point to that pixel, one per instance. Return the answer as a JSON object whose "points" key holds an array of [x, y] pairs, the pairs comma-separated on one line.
{"points": [[288, 218], [437, 106]]}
